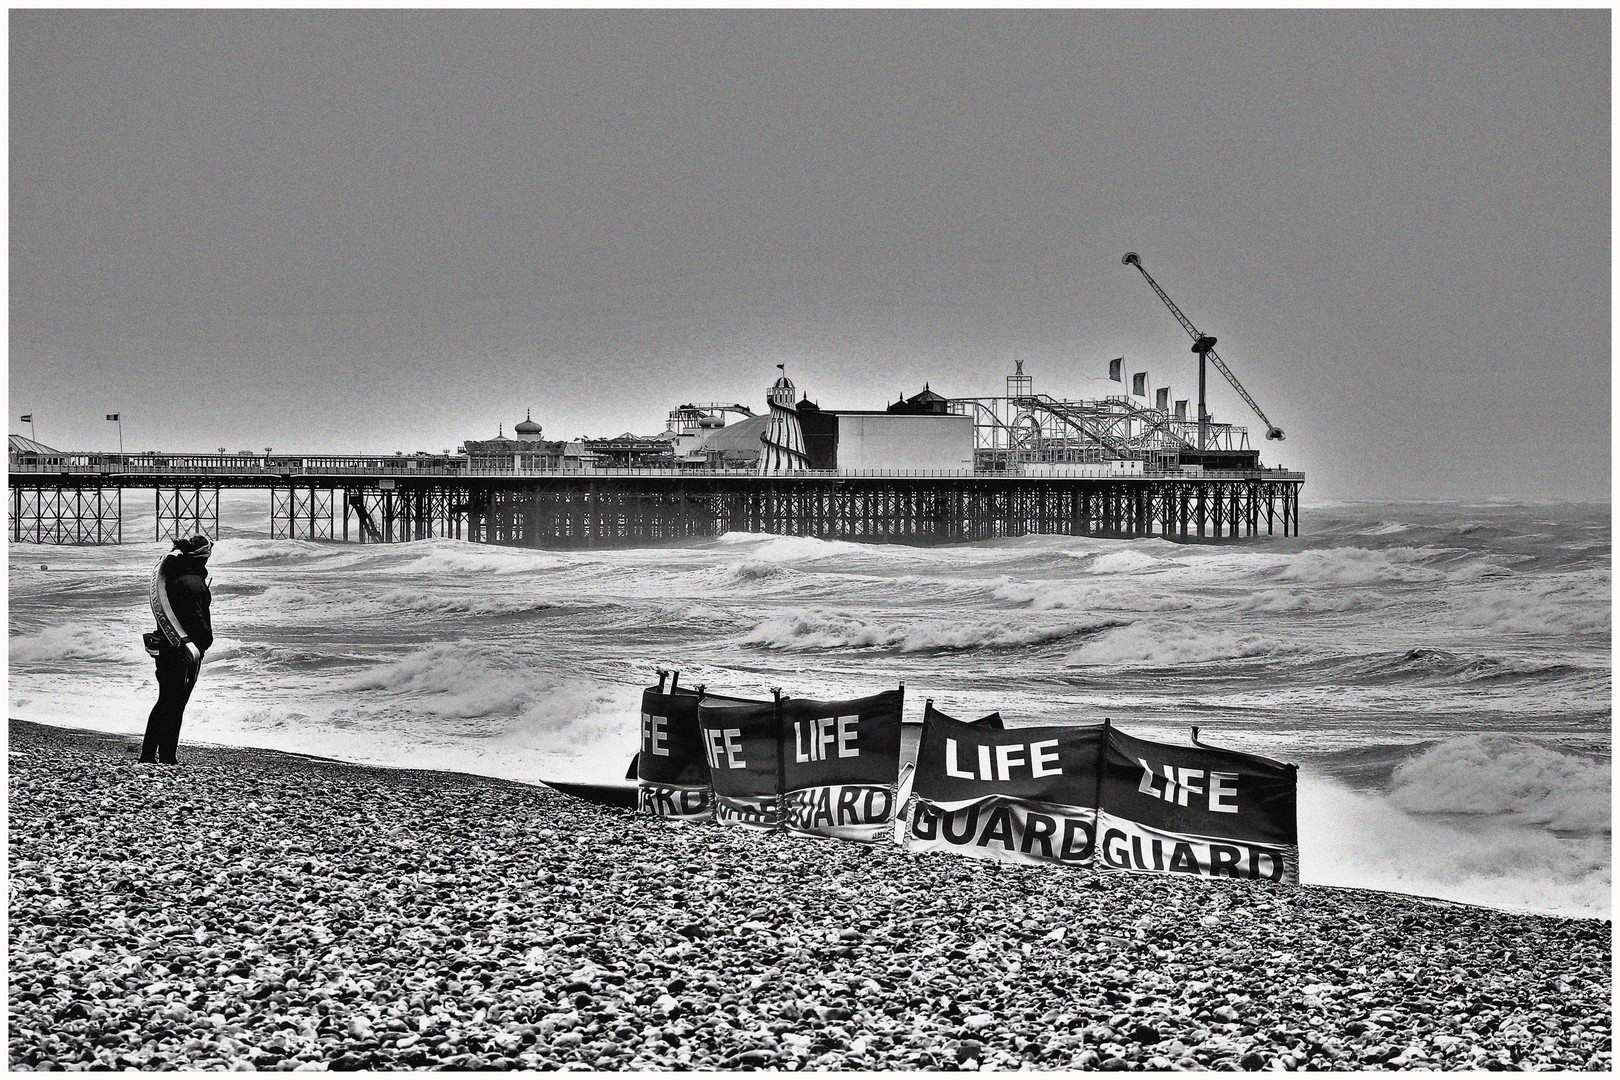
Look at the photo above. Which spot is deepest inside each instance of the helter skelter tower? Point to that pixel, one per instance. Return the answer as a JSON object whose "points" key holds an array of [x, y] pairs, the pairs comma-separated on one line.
{"points": [[782, 443]]}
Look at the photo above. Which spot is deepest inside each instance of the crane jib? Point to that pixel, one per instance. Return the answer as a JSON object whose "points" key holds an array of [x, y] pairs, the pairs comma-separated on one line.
{"points": [[1272, 430]]}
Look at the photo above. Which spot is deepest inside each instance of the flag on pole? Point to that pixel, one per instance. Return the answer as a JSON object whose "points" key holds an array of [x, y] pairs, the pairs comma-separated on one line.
{"points": [[1114, 369], [1163, 402], [1181, 409], [1139, 384], [112, 416], [28, 418]]}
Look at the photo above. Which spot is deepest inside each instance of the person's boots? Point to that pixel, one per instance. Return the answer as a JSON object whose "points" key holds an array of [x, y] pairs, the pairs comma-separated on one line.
{"points": [[148, 751], [166, 755]]}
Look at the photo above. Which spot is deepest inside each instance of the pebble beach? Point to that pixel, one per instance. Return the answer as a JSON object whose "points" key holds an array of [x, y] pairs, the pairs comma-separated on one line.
{"points": [[257, 910]]}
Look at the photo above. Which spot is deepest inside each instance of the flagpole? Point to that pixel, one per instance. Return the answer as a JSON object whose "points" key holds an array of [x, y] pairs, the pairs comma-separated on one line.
{"points": [[118, 418]]}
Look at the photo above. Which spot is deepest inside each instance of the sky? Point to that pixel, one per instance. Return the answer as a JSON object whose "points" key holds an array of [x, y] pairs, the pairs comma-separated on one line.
{"points": [[356, 231]]}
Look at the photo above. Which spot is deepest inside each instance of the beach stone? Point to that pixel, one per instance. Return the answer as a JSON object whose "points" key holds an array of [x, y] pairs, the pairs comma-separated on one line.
{"points": [[377, 919]]}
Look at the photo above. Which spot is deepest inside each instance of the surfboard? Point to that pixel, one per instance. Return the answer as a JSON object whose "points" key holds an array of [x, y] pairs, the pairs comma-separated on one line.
{"points": [[625, 796]]}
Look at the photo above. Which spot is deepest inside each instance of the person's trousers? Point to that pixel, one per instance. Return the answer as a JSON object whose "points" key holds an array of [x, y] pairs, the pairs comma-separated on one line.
{"points": [[176, 675]]}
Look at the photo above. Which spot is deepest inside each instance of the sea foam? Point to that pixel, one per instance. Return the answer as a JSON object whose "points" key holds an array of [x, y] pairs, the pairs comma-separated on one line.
{"points": [[1361, 840], [1521, 781]]}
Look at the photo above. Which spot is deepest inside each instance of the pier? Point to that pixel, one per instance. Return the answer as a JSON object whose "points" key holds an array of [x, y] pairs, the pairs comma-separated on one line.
{"points": [[80, 498]]}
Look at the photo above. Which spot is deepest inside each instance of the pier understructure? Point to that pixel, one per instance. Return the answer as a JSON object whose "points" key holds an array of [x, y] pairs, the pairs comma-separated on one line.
{"points": [[80, 499]]}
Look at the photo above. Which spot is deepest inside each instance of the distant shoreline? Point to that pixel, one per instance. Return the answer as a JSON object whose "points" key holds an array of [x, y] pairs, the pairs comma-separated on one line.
{"points": [[258, 907]]}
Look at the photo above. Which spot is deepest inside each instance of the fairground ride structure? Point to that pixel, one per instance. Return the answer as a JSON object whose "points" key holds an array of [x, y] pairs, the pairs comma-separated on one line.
{"points": [[1024, 428]]}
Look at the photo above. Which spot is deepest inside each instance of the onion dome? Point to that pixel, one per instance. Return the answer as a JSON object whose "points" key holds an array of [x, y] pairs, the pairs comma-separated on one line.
{"points": [[527, 427]]}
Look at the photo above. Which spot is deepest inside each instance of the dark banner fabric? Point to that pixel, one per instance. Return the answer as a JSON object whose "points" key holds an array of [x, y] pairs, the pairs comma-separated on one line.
{"points": [[989, 720], [840, 762], [1196, 810], [741, 742], [1025, 795], [960, 763], [862, 812], [671, 769], [1004, 830]]}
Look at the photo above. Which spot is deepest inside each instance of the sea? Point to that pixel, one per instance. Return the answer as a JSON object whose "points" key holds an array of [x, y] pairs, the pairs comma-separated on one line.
{"points": [[1441, 673]]}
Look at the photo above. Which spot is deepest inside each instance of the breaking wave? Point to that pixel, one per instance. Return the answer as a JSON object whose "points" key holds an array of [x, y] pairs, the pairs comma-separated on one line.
{"points": [[771, 548], [69, 643], [1562, 609], [1359, 566], [830, 630], [446, 680], [1161, 645], [1439, 667], [1307, 603], [1516, 779], [465, 602], [1129, 561], [1361, 840], [1048, 596]]}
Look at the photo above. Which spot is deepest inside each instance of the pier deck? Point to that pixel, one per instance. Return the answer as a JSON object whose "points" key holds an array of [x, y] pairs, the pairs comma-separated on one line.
{"points": [[78, 499]]}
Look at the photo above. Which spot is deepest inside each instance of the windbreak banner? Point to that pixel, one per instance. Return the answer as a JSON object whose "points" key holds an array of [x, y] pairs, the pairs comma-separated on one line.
{"points": [[1026, 795], [741, 742], [989, 720], [1196, 810], [839, 765], [671, 770]]}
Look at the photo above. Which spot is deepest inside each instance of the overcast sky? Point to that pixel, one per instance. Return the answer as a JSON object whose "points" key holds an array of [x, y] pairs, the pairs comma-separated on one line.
{"points": [[370, 231]]}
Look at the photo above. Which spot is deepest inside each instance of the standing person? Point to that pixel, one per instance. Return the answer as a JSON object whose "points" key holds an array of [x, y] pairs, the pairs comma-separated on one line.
{"points": [[180, 601]]}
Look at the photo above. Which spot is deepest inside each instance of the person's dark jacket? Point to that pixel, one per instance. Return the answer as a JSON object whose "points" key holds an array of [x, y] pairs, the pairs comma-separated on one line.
{"points": [[187, 580]]}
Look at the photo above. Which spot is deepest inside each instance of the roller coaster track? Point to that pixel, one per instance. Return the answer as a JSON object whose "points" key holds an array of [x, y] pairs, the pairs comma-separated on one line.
{"points": [[1084, 419]]}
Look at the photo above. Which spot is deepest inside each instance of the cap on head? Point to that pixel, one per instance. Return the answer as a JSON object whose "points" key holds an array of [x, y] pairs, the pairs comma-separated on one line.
{"points": [[198, 547]]}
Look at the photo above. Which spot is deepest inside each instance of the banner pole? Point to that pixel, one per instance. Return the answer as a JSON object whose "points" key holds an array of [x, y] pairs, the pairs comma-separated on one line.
{"points": [[781, 761], [1102, 768]]}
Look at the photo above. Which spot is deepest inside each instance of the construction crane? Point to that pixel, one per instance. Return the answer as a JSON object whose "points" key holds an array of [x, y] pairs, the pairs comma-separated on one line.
{"points": [[1204, 346]]}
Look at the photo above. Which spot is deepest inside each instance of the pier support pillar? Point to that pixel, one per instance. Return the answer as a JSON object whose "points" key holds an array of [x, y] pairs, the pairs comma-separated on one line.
{"points": [[76, 515], [186, 511], [301, 513]]}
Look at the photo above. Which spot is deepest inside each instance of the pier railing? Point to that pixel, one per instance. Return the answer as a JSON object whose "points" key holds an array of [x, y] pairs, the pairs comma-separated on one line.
{"points": [[243, 465]]}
